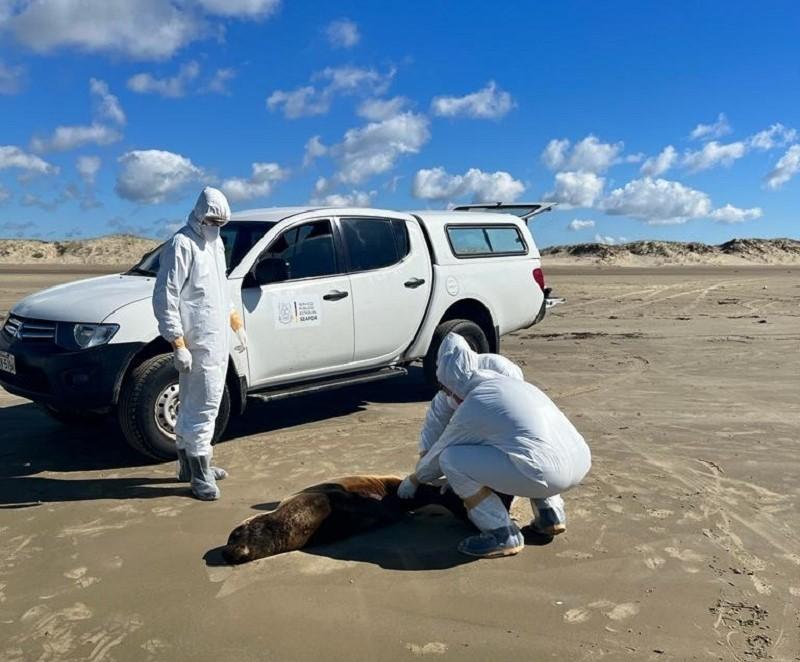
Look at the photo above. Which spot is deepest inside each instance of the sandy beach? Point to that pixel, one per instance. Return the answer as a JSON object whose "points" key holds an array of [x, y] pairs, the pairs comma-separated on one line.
{"points": [[683, 542]]}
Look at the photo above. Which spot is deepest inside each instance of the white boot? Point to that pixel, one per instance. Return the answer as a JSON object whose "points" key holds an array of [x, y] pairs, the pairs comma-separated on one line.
{"points": [[499, 535], [550, 516], [204, 486]]}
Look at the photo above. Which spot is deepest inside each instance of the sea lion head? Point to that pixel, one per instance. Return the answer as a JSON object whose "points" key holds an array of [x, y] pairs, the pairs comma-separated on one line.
{"points": [[250, 540]]}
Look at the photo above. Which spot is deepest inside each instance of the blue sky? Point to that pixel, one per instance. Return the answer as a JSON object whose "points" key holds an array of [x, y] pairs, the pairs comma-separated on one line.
{"points": [[643, 120]]}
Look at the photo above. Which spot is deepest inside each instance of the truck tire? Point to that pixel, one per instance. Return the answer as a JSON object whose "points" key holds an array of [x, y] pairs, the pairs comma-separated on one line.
{"points": [[471, 332], [77, 418], [148, 404]]}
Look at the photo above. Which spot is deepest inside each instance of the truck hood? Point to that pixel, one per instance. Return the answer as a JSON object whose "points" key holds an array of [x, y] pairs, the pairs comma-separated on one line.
{"points": [[90, 300]]}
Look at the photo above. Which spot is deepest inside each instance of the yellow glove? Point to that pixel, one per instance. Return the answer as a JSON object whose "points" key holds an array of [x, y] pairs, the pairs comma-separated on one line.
{"points": [[237, 324]]}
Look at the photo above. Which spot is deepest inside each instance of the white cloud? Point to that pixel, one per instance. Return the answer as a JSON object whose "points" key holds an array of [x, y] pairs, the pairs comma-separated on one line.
{"points": [[107, 105], [576, 188], [588, 155], [173, 87], [709, 131], [256, 9], [487, 103], [713, 154], [609, 240], [65, 138], [657, 201], [437, 184], [658, 165], [577, 224], [786, 168], [731, 214], [219, 81], [342, 33], [376, 110], [352, 199], [314, 149], [88, 167], [12, 156], [775, 136], [374, 149], [258, 185], [11, 78], [145, 29], [316, 98], [153, 175], [554, 154]]}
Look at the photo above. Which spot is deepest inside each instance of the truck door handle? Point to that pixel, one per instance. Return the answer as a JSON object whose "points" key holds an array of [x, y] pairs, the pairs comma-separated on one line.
{"points": [[335, 295], [414, 283]]}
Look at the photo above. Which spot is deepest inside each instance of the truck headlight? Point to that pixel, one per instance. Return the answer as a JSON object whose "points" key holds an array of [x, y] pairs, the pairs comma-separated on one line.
{"points": [[85, 336]]}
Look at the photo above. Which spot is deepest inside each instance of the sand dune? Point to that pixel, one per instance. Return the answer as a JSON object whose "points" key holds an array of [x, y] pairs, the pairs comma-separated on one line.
{"points": [[653, 253], [127, 249], [113, 249]]}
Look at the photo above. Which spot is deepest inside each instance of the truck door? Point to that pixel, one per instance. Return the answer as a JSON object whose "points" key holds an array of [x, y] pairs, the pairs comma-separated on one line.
{"points": [[300, 327], [390, 276]]}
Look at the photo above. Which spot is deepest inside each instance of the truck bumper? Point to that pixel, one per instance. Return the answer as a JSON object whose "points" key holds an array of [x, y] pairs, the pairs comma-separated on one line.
{"points": [[86, 379], [540, 315]]}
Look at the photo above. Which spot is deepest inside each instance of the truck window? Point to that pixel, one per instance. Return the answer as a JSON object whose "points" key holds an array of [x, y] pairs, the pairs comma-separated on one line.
{"points": [[309, 249], [374, 243], [238, 237], [485, 240]]}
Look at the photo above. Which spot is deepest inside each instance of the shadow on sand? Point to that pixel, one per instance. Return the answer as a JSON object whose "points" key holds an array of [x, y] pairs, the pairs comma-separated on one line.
{"points": [[31, 443], [426, 540]]}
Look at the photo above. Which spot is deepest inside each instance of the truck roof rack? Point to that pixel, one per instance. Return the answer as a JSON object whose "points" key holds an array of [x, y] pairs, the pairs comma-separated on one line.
{"points": [[524, 210]]}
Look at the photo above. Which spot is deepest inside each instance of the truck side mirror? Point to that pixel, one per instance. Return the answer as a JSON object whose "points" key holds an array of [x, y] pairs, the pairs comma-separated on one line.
{"points": [[268, 270]]}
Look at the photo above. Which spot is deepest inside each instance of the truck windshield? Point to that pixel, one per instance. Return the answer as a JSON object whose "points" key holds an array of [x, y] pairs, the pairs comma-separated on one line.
{"points": [[238, 238]]}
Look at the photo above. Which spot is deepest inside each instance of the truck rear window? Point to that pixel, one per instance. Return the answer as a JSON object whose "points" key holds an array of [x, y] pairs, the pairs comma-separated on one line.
{"points": [[485, 240]]}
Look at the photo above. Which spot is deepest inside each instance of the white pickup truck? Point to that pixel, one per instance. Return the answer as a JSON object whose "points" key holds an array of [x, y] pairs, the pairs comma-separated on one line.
{"points": [[330, 297]]}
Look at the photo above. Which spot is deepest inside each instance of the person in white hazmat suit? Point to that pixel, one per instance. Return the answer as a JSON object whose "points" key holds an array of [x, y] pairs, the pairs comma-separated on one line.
{"points": [[505, 436], [192, 304]]}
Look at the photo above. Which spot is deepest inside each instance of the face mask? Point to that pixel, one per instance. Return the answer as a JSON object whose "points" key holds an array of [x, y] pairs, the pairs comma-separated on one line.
{"points": [[211, 232]]}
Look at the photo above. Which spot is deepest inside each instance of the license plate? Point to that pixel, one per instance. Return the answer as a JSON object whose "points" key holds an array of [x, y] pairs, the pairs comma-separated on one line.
{"points": [[7, 363]]}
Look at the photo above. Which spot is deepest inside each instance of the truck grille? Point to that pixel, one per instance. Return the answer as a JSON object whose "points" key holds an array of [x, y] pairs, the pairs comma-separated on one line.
{"points": [[27, 329]]}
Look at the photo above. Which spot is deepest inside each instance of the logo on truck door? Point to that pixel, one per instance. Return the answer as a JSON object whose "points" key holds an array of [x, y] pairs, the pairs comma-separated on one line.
{"points": [[294, 312]]}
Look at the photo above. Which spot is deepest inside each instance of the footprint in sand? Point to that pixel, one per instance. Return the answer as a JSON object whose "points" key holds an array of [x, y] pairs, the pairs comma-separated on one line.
{"points": [[79, 575], [622, 611], [577, 556], [166, 511], [654, 562], [432, 648], [659, 513], [761, 586], [577, 615], [684, 555]]}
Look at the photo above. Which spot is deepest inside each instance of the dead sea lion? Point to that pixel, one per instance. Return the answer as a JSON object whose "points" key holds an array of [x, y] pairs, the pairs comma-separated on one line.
{"points": [[332, 511]]}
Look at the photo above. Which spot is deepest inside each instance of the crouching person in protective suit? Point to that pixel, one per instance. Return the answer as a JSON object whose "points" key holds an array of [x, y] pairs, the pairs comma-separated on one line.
{"points": [[507, 436], [192, 305]]}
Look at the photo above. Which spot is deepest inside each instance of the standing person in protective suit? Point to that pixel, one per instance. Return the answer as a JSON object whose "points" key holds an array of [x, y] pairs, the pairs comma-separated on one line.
{"points": [[192, 304], [505, 436]]}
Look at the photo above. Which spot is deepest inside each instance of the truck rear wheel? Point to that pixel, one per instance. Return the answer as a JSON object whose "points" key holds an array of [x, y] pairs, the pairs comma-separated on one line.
{"points": [[471, 332], [148, 407]]}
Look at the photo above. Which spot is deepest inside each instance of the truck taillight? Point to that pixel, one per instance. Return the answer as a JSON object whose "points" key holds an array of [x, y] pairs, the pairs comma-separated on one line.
{"points": [[538, 276]]}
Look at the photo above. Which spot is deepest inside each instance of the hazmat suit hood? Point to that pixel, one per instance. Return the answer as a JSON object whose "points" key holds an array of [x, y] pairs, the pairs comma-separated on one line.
{"points": [[211, 203], [456, 365]]}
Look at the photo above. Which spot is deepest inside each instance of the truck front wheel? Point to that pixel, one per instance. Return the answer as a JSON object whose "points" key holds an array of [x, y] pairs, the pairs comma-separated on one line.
{"points": [[471, 332], [148, 408]]}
